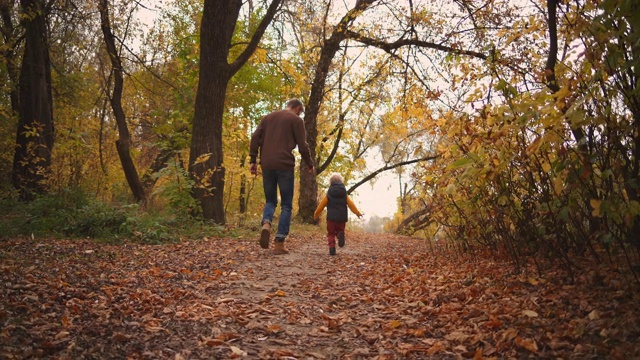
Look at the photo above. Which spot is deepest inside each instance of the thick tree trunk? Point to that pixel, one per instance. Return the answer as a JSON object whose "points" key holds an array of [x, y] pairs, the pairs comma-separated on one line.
{"points": [[205, 157], [206, 142], [219, 19], [35, 134], [123, 144], [308, 200]]}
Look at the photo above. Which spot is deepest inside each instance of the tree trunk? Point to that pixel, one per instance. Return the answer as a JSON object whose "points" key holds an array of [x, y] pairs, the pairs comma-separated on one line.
{"points": [[308, 185], [205, 159], [308, 200], [242, 199], [632, 99], [8, 53], [123, 144], [553, 85], [35, 134], [159, 163], [219, 19]]}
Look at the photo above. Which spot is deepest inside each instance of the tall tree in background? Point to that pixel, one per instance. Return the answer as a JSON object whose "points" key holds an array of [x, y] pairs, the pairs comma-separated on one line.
{"points": [[9, 72], [35, 134], [8, 53], [308, 200], [219, 19], [123, 144], [409, 33]]}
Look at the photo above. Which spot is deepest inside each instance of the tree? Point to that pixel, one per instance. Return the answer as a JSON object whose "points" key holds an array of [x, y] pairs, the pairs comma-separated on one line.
{"points": [[35, 133], [8, 54], [346, 30], [9, 100], [308, 200], [219, 19], [123, 144]]}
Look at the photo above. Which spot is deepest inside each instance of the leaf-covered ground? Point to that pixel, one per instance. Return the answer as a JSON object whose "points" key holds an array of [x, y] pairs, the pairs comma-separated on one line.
{"points": [[381, 297]]}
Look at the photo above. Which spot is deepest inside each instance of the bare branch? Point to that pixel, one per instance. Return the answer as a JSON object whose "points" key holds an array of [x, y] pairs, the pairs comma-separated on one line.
{"points": [[388, 47], [389, 167], [257, 36]]}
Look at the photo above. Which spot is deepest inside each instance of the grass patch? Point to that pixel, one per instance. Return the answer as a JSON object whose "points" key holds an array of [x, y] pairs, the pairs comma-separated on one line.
{"points": [[72, 214]]}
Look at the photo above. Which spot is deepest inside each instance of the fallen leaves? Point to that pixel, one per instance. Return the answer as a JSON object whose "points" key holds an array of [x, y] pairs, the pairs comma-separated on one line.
{"points": [[528, 344], [382, 297]]}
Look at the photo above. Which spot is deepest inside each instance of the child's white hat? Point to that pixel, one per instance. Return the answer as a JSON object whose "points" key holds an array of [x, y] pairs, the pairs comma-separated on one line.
{"points": [[336, 179]]}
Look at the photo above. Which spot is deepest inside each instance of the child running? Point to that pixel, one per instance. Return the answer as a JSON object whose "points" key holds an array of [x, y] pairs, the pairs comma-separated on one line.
{"points": [[336, 200]]}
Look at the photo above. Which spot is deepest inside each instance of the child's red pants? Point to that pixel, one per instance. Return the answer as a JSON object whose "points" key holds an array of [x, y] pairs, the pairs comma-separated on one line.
{"points": [[333, 228]]}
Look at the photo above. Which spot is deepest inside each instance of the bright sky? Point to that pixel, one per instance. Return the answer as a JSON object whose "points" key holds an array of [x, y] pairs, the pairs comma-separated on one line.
{"points": [[377, 197], [380, 199]]}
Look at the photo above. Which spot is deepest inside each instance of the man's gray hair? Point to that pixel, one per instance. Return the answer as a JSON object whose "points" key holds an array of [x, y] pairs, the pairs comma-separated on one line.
{"points": [[294, 104]]}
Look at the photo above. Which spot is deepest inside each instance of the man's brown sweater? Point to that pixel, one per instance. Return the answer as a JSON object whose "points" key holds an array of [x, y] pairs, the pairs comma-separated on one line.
{"points": [[276, 136]]}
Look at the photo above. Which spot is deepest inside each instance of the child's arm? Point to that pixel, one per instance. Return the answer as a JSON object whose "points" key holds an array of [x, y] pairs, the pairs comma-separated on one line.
{"points": [[353, 207], [320, 207]]}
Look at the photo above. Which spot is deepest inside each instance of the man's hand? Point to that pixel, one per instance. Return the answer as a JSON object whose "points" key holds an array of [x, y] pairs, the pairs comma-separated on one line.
{"points": [[312, 170], [254, 169]]}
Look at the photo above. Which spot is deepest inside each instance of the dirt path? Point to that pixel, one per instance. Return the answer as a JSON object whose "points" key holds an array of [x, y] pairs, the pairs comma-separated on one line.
{"points": [[381, 297], [307, 298]]}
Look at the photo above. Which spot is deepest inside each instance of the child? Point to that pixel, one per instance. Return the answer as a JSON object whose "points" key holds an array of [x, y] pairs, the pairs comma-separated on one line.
{"points": [[336, 200]]}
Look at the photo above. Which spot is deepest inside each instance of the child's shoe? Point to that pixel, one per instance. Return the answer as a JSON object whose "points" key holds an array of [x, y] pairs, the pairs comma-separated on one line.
{"points": [[332, 251], [341, 238]]}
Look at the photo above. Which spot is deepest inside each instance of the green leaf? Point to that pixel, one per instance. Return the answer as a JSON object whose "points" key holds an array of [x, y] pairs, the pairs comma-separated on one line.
{"points": [[461, 163]]}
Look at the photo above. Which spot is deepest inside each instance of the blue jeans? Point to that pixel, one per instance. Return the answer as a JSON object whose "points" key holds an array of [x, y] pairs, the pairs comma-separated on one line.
{"points": [[272, 180]]}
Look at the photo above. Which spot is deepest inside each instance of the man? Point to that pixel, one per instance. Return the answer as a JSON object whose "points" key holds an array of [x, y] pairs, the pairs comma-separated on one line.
{"points": [[277, 135]]}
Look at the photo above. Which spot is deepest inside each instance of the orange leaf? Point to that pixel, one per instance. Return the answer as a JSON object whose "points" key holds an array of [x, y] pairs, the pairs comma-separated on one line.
{"points": [[437, 347], [120, 337], [212, 342], [493, 323], [274, 328], [416, 332], [66, 322], [528, 344], [394, 324]]}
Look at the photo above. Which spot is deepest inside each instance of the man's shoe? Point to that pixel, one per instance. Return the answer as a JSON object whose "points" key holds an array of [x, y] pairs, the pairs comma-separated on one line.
{"points": [[265, 234], [341, 238], [332, 251], [279, 249]]}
